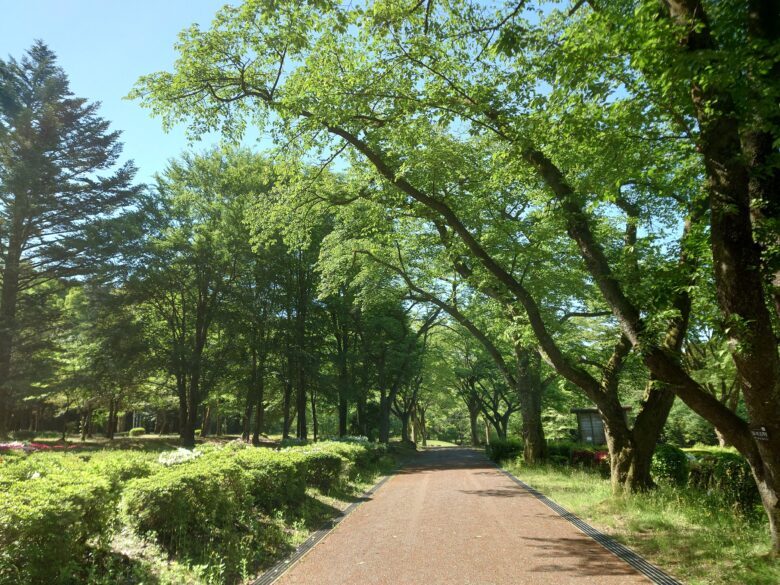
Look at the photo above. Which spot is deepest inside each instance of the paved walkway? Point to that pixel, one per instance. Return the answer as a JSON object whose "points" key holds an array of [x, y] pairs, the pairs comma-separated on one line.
{"points": [[451, 518]]}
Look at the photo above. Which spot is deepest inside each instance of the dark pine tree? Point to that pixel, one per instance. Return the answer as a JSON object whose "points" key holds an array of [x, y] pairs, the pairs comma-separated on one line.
{"points": [[59, 183]]}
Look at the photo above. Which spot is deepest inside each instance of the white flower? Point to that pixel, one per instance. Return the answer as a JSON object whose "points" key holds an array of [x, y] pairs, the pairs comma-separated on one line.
{"points": [[181, 455]]}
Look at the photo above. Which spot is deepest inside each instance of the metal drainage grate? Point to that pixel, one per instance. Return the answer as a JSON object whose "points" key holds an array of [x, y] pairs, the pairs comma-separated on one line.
{"points": [[624, 553]]}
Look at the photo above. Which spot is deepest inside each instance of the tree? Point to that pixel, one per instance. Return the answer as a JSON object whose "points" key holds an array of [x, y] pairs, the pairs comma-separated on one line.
{"points": [[55, 195], [644, 103], [186, 267]]}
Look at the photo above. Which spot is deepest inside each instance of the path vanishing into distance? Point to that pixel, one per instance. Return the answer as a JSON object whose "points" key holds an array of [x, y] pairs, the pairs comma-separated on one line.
{"points": [[451, 517]]}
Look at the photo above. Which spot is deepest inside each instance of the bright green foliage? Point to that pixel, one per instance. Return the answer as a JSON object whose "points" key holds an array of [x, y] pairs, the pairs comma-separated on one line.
{"points": [[192, 507], [362, 454], [48, 519], [137, 432], [324, 470], [120, 467], [670, 464], [277, 478]]}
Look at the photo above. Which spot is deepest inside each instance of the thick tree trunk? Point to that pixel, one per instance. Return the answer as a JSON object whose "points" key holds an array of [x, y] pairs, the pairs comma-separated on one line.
{"points": [[8, 301], [405, 427], [423, 428], [86, 424], [362, 423], [161, 422], [111, 419], [474, 422], [259, 407], [534, 442], [259, 422], [529, 391], [301, 406], [286, 404], [314, 422], [343, 415], [384, 418], [246, 417], [205, 426]]}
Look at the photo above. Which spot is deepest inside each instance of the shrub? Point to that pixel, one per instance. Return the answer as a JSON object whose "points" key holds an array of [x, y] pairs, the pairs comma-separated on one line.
{"points": [[137, 432], [323, 469], [190, 508], [23, 435], [727, 477], [583, 456], [359, 454], [504, 449], [670, 464], [558, 460], [278, 478], [47, 522], [120, 467], [559, 451]]}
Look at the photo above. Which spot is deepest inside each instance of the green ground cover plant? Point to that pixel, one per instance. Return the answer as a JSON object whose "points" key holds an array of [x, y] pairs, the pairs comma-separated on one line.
{"points": [[694, 534]]}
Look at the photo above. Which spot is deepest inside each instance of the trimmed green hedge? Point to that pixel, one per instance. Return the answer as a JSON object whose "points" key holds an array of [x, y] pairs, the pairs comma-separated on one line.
{"points": [[278, 478], [189, 507], [218, 510], [136, 432], [324, 469], [48, 520]]}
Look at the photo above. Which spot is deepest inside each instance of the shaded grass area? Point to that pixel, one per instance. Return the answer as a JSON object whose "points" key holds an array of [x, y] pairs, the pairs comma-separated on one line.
{"points": [[687, 533]]}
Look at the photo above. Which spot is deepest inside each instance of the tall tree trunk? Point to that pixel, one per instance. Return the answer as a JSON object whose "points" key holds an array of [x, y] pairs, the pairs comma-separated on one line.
{"points": [[205, 425], [474, 410], [246, 417], [314, 422], [534, 442], [384, 417], [111, 419], [343, 415], [423, 434], [362, 423], [286, 404], [301, 405], [8, 301], [405, 427], [259, 406], [259, 421], [529, 391]]}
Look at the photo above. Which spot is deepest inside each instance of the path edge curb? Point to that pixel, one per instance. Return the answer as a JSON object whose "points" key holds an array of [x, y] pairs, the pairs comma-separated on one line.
{"points": [[625, 554], [281, 566]]}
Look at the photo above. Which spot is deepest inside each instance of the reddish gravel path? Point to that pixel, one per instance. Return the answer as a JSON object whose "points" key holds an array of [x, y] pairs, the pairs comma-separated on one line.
{"points": [[451, 518]]}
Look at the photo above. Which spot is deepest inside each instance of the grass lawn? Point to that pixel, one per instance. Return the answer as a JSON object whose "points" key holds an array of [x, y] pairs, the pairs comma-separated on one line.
{"points": [[685, 533]]}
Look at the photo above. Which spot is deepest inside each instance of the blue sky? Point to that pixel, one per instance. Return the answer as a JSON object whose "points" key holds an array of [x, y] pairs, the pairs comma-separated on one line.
{"points": [[104, 46]]}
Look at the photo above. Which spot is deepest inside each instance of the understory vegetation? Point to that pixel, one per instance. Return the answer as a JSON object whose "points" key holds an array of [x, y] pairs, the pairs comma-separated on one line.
{"points": [[218, 514], [708, 529], [552, 227]]}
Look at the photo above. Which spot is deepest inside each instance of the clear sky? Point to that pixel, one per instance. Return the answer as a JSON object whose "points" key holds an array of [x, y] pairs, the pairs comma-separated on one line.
{"points": [[104, 46]]}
